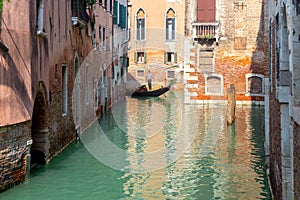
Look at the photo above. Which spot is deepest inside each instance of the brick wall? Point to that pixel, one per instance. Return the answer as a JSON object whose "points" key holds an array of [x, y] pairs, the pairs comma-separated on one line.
{"points": [[233, 62], [275, 128], [242, 49], [275, 147], [13, 151], [296, 160], [61, 127]]}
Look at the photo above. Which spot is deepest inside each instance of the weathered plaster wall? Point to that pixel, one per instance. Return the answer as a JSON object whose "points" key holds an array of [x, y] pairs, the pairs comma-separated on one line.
{"points": [[234, 59], [33, 60], [241, 50], [155, 44], [16, 99]]}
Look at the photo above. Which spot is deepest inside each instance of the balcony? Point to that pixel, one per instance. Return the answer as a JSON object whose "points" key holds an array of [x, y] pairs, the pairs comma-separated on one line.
{"points": [[205, 30], [79, 14]]}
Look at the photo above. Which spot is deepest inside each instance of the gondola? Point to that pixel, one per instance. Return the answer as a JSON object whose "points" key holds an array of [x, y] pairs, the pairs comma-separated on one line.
{"points": [[143, 92]]}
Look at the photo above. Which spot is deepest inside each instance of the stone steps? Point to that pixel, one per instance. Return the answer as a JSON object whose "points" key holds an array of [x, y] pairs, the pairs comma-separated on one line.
{"points": [[191, 71]]}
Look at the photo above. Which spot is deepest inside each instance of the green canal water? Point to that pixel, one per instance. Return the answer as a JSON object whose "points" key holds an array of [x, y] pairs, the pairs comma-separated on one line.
{"points": [[158, 148]]}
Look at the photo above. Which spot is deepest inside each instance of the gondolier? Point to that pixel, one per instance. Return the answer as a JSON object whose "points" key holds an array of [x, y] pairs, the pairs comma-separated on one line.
{"points": [[142, 91], [149, 78]]}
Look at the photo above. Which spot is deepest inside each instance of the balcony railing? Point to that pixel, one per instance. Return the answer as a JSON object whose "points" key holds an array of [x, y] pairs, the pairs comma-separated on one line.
{"points": [[79, 14], [205, 30]]}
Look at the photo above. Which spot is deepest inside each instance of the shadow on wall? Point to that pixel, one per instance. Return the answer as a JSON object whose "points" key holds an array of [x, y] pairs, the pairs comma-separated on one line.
{"points": [[259, 62], [14, 80], [131, 84], [256, 83]]}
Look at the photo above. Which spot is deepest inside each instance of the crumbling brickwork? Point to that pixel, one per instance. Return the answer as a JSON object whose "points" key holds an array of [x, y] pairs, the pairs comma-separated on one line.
{"points": [[13, 151]]}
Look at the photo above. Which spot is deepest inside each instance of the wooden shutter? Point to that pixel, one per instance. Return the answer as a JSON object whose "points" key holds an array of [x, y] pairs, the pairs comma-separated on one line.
{"points": [[206, 10], [145, 57], [135, 57], [116, 12], [175, 57]]}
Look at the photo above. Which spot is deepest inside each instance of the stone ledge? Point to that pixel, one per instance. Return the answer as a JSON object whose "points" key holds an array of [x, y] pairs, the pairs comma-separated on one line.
{"points": [[283, 94], [296, 114], [190, 85], [250, 103], [194, 78]]}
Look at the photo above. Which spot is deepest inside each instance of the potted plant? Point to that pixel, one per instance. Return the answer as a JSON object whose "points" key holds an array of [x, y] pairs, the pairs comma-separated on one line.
{"points": [[91, 2], [206, 37]]}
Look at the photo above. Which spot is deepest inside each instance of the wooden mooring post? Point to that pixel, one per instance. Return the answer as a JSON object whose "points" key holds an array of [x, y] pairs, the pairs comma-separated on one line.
{"points": [[231, 105]]}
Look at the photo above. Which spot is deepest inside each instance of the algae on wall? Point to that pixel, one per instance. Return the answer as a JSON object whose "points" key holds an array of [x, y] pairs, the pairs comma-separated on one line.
{"points": [[1, 4]]}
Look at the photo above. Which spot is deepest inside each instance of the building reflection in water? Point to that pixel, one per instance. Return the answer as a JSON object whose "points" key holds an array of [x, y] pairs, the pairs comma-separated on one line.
{"points": [[171, 150]]}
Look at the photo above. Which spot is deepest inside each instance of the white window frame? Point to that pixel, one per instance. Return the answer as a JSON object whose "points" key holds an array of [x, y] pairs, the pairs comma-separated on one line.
{"points": [[206, 84], [142, 57], [167, 27], [96, 94], [136, 26], [104, 38], [167, 74], [247, 76], [64, 90], [172, 54], [140, 71], [87, 88]]}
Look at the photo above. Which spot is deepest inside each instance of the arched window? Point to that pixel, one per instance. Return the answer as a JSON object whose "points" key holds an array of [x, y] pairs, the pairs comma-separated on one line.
{"points": [[170, 24], [254, 84], [140, 24]]}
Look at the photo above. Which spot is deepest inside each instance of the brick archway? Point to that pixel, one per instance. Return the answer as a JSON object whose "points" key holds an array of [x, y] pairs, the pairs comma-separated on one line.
{"points": [[39, 130]]}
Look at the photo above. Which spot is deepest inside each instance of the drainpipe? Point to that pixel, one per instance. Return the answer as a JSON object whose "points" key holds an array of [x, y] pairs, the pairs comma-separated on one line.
{"points": [[267, 119], [40, 30]]}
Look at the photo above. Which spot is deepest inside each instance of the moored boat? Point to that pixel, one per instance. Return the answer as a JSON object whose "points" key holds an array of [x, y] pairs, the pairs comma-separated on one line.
{"points": [[143, 92]]}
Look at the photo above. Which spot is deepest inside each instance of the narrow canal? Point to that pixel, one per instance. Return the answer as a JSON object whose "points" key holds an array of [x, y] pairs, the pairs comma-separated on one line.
{"points": [[158, 149]]}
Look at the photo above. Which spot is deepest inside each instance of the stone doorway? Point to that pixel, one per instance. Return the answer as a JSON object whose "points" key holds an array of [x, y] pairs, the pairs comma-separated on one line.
{"points": [[39, 130]]}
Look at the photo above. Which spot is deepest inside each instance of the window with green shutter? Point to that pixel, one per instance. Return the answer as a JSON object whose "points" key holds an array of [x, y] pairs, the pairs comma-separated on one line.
{"points": [[140, 57], [170, 57], [135, 57], [122, 16], [116, 12], [145, 57]]}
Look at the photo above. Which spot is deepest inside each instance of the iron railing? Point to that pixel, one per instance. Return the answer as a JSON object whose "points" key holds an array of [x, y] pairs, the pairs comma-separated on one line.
{"points": [[79, 14], [205, 30]]}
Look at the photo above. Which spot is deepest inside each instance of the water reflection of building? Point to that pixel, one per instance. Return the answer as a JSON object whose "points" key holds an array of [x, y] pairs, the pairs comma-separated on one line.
{"points": [[241, 168], [177, 179], [143, 140]]}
